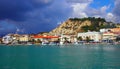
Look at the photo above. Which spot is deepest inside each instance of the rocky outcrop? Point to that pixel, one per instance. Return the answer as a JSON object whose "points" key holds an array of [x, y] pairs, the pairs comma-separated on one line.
{"points": [[70, 27], [73, 26]]}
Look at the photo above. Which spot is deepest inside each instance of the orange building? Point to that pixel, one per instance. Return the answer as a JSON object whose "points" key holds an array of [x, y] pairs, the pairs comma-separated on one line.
{"points": [[115, 29]]}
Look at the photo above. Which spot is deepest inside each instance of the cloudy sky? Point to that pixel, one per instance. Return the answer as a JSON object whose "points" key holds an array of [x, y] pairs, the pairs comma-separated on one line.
{"points": [[33, 16]]}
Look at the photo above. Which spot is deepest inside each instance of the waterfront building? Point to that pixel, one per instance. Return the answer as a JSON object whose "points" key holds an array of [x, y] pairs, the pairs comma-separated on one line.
{"points": [[41, 37], [45, 38], [95, 36], [64, 38], [15, 37], [110, 29], [23, 38], [69, 38], [104, 30], [7, 39], [110, 36]]}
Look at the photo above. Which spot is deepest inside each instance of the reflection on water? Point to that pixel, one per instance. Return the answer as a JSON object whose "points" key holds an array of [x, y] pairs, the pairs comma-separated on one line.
{"points": [[60, 57]]}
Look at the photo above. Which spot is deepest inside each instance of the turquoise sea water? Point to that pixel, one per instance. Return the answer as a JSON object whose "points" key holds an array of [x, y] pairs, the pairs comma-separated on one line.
{"points": [[60, 57]]}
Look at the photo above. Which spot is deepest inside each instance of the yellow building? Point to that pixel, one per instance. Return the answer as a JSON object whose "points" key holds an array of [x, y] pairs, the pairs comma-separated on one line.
{"points": [[24, 38]]}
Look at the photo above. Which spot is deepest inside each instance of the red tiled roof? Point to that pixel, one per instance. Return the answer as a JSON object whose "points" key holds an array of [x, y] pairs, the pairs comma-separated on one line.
{"points": [[112, 32], [37, 36]]}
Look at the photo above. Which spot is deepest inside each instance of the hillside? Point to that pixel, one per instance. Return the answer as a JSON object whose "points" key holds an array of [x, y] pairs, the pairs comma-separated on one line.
{"points": [[75, 25]]}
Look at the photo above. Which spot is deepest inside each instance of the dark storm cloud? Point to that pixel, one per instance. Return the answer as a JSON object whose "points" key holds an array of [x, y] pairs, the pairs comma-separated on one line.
{"points": [[13, 9], [45, 19], [33, 16], [16, 9]]}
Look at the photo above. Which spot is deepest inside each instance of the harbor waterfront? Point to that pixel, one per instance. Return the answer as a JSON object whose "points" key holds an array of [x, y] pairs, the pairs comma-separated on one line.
{"points": [[90, 56], [59, 34], [105, 36]]}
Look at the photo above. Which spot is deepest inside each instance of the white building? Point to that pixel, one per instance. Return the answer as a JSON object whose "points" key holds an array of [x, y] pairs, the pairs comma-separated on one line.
{"points": [[96, 36], [104, 30], [63, 37], [7, 39]]}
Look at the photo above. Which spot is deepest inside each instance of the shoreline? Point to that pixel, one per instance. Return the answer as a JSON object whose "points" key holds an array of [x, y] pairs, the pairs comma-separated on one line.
{"points": [[67, 44]]}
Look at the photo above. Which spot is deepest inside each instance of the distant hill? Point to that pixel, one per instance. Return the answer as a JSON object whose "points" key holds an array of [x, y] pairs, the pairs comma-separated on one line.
{"points": [[75, 25]]}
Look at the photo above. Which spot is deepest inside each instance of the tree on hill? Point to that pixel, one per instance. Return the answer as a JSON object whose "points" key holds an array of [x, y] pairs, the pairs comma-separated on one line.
{"points": [[97, 23], [93, 19]]}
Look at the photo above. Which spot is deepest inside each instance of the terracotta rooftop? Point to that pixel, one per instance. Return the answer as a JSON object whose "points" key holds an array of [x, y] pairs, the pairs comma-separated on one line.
{"points": [[37, 36]]}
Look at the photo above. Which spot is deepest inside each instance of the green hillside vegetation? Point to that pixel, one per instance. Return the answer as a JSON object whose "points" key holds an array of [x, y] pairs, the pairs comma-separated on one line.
{"points": [[96, 23]]}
